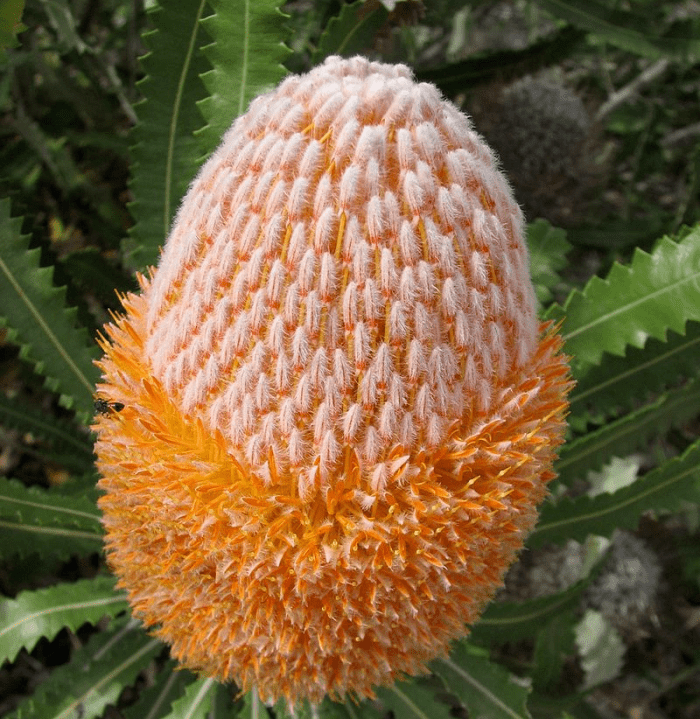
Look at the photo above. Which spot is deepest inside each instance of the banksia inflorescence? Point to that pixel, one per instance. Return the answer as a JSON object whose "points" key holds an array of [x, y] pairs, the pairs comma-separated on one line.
{"points": [[339, 410], [540, 129]]}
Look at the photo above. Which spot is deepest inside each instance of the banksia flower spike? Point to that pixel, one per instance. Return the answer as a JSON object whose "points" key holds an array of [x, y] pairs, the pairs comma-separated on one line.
{"points": [[339, 409]]}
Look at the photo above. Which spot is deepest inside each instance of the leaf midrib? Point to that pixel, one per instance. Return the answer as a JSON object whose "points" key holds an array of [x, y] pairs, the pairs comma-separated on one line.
{"points": [[630, 306], [480, 688], [26, 301], [177, 105], [103, 601]]}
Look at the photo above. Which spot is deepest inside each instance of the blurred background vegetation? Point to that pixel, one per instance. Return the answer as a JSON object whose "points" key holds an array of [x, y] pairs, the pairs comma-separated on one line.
{"points": [[594, 110]]}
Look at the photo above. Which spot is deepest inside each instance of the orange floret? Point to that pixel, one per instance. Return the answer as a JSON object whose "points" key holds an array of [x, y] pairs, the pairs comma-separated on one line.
{"points": [[339, 410]]}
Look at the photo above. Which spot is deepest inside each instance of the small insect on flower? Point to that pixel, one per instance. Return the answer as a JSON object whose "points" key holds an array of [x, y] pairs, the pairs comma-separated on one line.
{"points": [[102, 406]]}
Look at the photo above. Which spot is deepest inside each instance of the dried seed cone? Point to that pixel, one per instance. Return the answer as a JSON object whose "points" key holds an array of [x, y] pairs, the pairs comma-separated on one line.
{"points": [[340, 412]]}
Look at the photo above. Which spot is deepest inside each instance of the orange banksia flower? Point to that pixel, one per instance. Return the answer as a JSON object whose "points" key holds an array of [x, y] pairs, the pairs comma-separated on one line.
{"points": [[339, 409]]}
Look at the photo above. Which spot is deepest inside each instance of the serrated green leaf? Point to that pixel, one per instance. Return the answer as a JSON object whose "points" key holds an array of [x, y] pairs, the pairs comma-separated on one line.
{"points": [[60, 435], [38, 320], [36, 520], [196, 702], [253, 708], [664, 488], [657, 292], [155, 701], [351, 31], [410, 700], [622, 29], [94, 677], [619, 382], [548, 248], [628, 433], [554, 642], [44, 612], [512, 621], [165, 153], [246, 57], [486, 689]]}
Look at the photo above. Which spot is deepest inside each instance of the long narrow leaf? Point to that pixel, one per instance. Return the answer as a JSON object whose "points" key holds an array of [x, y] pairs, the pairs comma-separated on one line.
{"points": [[663, 488], [619, 381], [38, 320], [410, 700], [487, 690], [165, 153], [554, 643], [620, 28], [246, 58], [253, 708], [44, 612], [155, 701], [512, 621], [504, 64], [196, 702], [628, 433], [347, 710], [657, 292], [36, 520], [94, 678], [351, 31], [62, 436]]}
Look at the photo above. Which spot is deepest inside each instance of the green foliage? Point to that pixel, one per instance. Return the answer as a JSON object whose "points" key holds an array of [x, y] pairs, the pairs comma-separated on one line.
{"points": [[348, 33], [548, 248], [156, 700], [601, 649], [110, 661], [165, 152], [664, 488], [44, 612], [482, 68], [10, 17], [520, 620], [413, 701], [554, 643], [246, 55], [253, 708], [36, 520], [39, 321], [617, 383], [657, 292], [170, 139], [628, 433], [627, 30], [348, 710], [64, 442], [73, 99], [486, 689], [197, 701]]}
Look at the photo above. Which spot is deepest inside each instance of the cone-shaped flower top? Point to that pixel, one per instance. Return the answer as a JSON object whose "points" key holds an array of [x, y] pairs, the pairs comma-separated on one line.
{"points": [[340, 412]]}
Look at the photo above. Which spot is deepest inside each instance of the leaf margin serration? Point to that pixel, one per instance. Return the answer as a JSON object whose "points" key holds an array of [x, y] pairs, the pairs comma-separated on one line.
{"points": [[235, 79], [40, 322], [654, 293]]}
